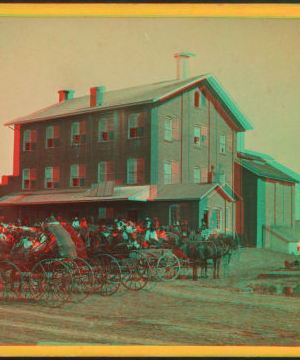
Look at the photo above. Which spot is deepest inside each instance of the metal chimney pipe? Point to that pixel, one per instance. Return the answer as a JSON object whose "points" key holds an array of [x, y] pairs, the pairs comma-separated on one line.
{"points": [[65, 95], [182, 64]]}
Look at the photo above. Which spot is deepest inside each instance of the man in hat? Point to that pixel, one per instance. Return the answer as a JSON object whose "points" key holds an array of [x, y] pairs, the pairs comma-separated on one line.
{"points": [[76, 224]]}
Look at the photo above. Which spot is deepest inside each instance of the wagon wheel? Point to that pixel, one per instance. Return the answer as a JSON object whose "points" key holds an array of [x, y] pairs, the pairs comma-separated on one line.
{"points": [[111, 274], [51, 282], [98, 277], [168, 267], [79, 291], [24, 289], [152, 261], [140, 271], [10, 280], [184, 264], [126, 273]]}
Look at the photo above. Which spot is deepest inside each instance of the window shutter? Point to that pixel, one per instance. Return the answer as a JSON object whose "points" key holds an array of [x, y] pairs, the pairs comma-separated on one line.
{"points": [[109, 171], [26, 174], [82, 128], [204, 135], [168, 172], [196, 99], [175, 172], [196, 175], [49, 132], [196, 135], [141, 120], [130, 171], [56, 174], [74, 170], [48, 173], [27, 136], [203, 98], [140, 171], [56, 132], [101, 172], [32, 174], [82, 170], [168, 129], [229, 142], [175, 127], [33, 136], [204, 175]]}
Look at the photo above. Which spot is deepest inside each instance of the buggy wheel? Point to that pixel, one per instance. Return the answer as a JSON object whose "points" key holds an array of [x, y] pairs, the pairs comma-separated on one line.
{"points": [[98, 277], [168, 267], [139, 271], [184, 264], [112, 274], [51, 282], [24, 288], [11, 277], [126, 273]]}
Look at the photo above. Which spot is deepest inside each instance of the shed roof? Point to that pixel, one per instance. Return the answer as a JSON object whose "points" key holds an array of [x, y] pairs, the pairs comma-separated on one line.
{"points": [[265, 170], [151, 93]]}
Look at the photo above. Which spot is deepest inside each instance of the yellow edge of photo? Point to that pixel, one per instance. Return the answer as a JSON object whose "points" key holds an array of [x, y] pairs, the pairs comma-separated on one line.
{"points": [[151, 10]]}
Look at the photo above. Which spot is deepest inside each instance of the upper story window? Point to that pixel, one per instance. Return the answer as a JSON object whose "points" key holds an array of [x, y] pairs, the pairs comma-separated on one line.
{"points": [[172, 128], [136, 125], [171, 172], [203, 175], [29, 179], [77, 177], [78, 133], [200, 136], [105, 171], [200, 174], [223, 144], [200, 98], [135, 170], [30, 140], [52, 177], [52, 136], [229, 142], [106, 129]]}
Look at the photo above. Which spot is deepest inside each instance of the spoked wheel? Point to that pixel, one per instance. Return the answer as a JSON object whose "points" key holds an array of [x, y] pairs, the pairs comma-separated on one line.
{"points": [[126, 274], [24, 288], [168, 267], [140, 270], [51, 282], [98, 276], [184, 264], [235, 256], [10, 280], [112, 274]]}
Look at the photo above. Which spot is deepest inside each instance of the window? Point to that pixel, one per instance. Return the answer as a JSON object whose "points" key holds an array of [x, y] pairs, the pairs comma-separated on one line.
{"points": [[218, 216], [105, 213], [29, 179], [171, 170], [223, 144], [77, 177], [29, 143], [135, 170], [200, 136], [168, 128], [227, 218], [196, 99], [203, 98], [51, 177], [229, 142], [78, 133], [178, 213], [52, 136], [196, 175], [105, 171], [106, 129], [215, 220], [172, 128], [197, 136], [203, 175], [136, 124]]}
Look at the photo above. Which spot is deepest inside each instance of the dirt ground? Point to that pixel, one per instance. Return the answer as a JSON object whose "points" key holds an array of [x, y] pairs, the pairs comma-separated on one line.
{"points": [[181, 312]]}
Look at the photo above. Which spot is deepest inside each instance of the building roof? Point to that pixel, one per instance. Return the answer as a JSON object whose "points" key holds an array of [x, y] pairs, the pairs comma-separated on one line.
{"points": [[265, 170], [151, 93], [135, 193], [188, 192]]}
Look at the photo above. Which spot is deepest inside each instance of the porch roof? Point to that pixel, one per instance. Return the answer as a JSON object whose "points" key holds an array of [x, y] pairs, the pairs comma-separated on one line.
{"points": [[134, 193], [189, 192]]}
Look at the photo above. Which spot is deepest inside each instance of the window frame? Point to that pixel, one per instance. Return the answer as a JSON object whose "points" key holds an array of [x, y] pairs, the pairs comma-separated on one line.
{"points": [[107, 175], [31, 178], [53, 137], [109, 127], [78, 176], [135, 173], [27, 140], [53, 169], [136, 116], [76, 128]]}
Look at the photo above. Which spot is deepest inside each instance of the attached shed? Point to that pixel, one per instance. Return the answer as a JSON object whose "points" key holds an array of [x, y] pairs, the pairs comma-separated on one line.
{"points": [[269, 198]]}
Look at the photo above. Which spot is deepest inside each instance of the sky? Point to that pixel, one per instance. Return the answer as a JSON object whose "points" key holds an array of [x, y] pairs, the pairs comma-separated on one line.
{"points": [[256, 61]]}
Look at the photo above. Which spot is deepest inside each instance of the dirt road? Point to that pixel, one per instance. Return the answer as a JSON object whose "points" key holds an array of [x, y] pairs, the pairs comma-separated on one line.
{"points": [[206, 312]]}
